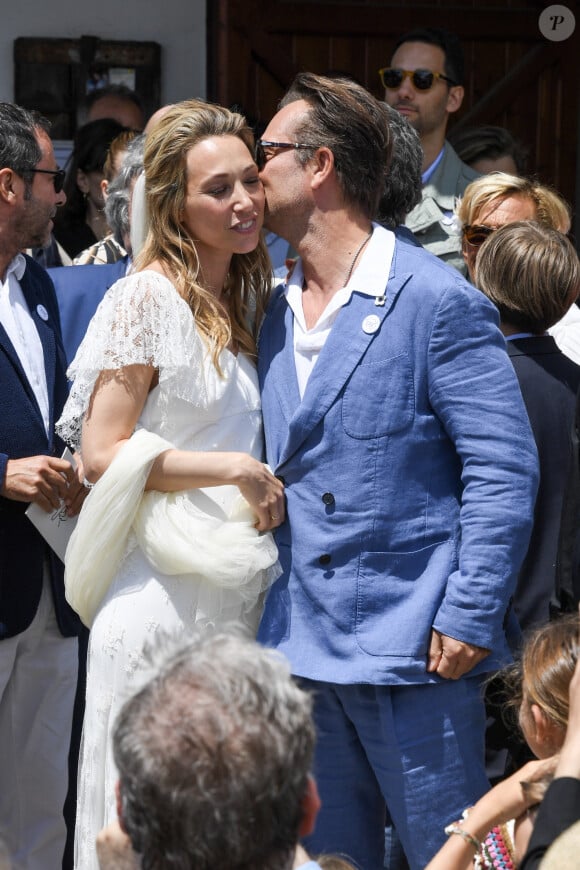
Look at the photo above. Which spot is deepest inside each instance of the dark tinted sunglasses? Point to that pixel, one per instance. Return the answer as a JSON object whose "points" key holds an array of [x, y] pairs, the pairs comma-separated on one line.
{"points": [[476, 235], [265, 150], [423, 79], [58, 176]]}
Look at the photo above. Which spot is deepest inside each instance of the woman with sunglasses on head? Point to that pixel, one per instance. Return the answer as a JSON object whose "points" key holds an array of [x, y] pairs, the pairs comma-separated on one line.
{"points": [[165, 393]]}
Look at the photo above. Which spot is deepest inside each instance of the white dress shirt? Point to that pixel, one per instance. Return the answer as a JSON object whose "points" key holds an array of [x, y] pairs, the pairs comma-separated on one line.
{"points": [[366, 278], [17, 320]]}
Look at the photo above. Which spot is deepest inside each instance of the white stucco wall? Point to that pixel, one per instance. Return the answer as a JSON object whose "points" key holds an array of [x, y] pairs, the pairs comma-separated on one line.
{"points": [[177, 25]]}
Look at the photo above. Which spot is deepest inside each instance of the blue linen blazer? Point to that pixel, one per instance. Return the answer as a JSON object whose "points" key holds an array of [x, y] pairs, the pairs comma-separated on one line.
{"points": [[410, 472], [22, 433], [79, 289]]}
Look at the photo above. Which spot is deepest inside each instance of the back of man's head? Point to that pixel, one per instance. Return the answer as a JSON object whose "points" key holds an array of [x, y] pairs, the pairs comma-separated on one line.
{"points": [[348, 120], [214, 755], [448, 42], [403, 186]]}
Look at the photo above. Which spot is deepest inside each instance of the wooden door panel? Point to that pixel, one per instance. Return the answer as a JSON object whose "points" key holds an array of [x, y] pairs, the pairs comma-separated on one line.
{"points": [[515, 77]]}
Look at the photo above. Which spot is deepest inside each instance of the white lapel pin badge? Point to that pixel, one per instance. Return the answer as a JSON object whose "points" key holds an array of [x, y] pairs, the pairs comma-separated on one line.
{"points": [[371, 323]]}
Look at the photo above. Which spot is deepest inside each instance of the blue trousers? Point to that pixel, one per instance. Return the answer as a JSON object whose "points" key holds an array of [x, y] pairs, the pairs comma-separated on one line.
{"points": [[416, 750]]}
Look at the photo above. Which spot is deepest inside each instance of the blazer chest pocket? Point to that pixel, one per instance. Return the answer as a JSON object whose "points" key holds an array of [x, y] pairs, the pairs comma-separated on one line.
{"points": [[379, 398]]}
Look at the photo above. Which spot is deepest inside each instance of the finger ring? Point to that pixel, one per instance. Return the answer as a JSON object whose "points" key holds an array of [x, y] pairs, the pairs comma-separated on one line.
{"points": [[274, 517]]}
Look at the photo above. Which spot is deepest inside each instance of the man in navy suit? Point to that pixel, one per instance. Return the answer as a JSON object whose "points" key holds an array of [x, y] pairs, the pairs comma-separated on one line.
{"points": [[394, 417], [38, 647]]}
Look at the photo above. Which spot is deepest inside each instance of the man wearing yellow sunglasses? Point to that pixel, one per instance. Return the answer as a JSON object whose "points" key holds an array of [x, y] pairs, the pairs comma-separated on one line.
{"points": [[424, 83]]}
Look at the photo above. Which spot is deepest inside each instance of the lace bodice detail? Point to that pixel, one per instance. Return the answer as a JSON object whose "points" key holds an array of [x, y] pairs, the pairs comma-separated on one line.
{"points": [[142, 320]]}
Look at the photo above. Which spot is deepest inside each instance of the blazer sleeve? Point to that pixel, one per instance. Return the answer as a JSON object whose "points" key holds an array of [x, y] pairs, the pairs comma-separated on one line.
{"points": [[474, 392], [3, 463]]}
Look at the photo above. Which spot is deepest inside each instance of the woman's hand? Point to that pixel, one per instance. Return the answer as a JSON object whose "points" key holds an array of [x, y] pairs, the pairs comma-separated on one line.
{"points": [[505, 801], [116, 404], [263, 492]]}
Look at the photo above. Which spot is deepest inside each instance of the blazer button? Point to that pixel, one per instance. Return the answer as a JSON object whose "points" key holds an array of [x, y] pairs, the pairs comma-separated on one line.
{"points": [[328, 498], [325, 559]]}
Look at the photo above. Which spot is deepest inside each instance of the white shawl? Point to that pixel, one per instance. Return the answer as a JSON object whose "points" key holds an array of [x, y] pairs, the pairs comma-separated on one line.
{"points": [[176, 535]]}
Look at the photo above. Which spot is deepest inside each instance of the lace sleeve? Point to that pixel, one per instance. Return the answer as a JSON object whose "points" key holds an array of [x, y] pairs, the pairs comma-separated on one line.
{"points": [[142, 320]]}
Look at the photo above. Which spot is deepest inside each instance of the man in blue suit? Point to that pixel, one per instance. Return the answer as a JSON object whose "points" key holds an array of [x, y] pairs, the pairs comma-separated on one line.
{"points": [[38, 653], [394, 417]]}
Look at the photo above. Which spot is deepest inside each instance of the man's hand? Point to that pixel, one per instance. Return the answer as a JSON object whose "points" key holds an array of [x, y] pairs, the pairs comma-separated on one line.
{"points": [[44, 480], [451, 658]]}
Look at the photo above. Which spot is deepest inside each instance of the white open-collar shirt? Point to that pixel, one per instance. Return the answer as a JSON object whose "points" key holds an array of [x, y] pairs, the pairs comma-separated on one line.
{"points": [[17, 320], [369, 277]]}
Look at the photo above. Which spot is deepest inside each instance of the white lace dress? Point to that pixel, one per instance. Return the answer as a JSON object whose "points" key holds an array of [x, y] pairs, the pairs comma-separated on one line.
{"points": [[142, 319]]}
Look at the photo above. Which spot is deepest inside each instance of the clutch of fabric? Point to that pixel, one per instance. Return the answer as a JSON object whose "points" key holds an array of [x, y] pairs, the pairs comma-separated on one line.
{"points": [[176, 535]]}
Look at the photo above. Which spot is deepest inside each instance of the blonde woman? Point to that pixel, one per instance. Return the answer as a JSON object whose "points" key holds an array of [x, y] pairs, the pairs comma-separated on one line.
{"points": [[497, 199], [166, 406]]}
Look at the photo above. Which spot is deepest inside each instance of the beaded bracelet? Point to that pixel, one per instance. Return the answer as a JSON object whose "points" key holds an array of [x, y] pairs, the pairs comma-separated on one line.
{"points": [[469, 838]]}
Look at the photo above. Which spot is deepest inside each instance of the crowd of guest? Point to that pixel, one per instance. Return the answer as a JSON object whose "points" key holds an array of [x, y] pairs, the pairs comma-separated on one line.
{"points": [[307, 405]]}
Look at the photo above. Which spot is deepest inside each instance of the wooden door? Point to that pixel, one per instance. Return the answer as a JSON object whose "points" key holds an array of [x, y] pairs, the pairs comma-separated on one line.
{"points": [[516, 78]]}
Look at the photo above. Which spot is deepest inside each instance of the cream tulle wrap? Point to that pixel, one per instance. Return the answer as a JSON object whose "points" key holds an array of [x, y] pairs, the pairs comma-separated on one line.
{"points": [[176, 535], [142, 320]]}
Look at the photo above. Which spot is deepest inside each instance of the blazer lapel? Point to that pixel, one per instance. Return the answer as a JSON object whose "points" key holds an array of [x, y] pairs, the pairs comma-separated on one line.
{"points": [[346, 345], [46, 332], [283, 367], [14, 359]]}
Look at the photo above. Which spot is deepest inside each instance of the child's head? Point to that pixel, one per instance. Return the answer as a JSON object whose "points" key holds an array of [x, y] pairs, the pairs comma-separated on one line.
{"points": [[547, 666], [532, 274]]}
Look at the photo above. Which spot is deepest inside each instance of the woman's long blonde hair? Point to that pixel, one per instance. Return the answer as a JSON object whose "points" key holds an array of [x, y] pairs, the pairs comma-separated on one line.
{"points": [[249, 277]]}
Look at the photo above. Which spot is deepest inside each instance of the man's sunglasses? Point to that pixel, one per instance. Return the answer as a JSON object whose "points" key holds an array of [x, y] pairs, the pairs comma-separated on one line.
{"points": [[476, 235], [58, 176], [265, 150], [423, 79]]}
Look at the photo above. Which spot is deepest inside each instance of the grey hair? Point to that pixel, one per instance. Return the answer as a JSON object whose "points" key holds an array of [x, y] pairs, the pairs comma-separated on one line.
{"points": [[403, 187], [119, 190], [214, 755]]}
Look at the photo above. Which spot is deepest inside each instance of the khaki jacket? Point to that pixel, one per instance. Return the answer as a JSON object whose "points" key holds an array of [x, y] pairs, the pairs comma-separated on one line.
{"points": [[432, 219]]}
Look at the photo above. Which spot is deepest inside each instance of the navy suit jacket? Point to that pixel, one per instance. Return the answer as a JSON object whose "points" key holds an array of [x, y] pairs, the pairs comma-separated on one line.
{"points": [[22, 433], [79, 289], [549, 382]]}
